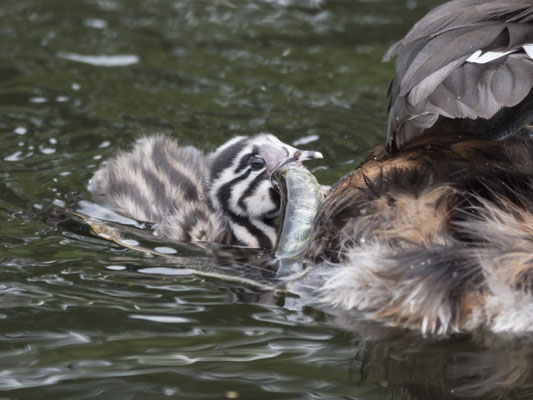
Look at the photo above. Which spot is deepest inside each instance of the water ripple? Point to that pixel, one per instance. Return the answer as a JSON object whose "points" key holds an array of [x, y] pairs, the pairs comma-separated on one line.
{"points": [[102, 60], [83, 318]]}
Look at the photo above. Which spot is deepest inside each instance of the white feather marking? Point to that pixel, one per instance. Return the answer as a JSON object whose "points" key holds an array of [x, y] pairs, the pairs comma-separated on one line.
{"points": [[226, 145], [259, 202], [227, 175], [528, 48], [475, 55], [478, 57], [236, 193], [268, 230], [242, 234]]}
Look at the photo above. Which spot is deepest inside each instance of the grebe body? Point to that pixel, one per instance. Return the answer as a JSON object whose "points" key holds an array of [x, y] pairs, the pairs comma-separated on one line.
{"points": [[438, 237], [435, 230], [223, 197]]}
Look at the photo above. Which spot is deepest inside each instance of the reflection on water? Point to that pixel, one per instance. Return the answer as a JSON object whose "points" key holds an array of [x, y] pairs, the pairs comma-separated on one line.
{"points": [[82, 317], [480, 367]]}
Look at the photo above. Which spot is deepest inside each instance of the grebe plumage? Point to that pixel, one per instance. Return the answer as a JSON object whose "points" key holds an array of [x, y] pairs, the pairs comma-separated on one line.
{"points": [[435, 230], [467, 66], [223, 197]]}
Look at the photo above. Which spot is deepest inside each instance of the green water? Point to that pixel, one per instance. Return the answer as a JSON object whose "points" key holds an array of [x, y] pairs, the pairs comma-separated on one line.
{"points": [[83, 318]]}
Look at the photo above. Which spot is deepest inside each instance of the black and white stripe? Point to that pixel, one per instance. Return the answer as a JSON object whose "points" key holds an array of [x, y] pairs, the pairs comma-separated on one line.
{"points": [[161, 183], [244, 194], [146, 182], [226, 198]]}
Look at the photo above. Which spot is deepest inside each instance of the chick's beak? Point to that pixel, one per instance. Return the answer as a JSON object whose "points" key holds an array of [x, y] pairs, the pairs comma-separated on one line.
{"points": [[304, 155], [276, 156], [297, 157]]}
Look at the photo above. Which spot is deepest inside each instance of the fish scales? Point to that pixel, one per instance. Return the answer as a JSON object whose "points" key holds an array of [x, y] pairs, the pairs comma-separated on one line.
{"points": [[303, 196]]}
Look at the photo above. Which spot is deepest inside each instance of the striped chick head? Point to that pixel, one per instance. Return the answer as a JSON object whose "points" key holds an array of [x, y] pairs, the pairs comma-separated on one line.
{"points": [[239, 185]]}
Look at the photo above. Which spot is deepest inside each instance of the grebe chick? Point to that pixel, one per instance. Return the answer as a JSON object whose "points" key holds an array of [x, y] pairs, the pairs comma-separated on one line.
{"points": [[224, 197]]}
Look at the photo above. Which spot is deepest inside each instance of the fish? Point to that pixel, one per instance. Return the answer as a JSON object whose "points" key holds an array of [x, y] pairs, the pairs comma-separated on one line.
{"points": [[301, 196]]}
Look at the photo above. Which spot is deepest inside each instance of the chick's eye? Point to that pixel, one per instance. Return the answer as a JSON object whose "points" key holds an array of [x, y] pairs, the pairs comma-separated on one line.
{"points": [[257, 163]]}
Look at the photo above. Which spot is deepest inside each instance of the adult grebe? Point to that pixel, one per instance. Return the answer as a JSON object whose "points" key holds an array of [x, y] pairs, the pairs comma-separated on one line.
{"points": [[435, 230]]}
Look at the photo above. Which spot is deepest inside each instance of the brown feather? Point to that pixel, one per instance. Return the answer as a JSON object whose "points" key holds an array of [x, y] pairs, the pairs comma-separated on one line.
{"points": [[438, 236]]}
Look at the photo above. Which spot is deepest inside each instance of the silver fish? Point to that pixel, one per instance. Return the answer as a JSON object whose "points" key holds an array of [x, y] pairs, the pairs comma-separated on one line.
{"points": [[301, 196]]}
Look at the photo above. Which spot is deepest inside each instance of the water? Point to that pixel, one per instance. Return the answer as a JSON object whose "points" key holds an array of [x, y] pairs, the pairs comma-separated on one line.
{"points": [[83, 318]]}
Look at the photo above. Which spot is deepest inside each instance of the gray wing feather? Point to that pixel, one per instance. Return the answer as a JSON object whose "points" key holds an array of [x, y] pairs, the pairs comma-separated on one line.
{"points": [[512, 80], [433, 80], [444, 50]]}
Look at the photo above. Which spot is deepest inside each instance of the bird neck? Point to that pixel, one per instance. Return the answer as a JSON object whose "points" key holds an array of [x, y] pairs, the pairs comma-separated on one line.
{"points": [[252, 232]]}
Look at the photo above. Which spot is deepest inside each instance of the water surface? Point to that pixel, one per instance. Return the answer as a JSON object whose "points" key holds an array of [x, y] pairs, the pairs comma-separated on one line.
{"points": [[83, 318]]}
